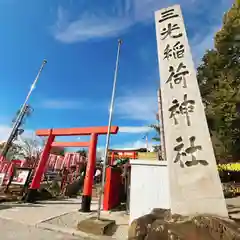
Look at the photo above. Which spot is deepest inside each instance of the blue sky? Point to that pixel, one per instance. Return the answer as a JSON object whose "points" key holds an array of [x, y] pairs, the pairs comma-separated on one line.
{"points": [[79, 40]]}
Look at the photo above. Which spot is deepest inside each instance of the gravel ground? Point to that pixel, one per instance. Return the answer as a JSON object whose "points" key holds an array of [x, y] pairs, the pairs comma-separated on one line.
{"points": [[10, 230]]}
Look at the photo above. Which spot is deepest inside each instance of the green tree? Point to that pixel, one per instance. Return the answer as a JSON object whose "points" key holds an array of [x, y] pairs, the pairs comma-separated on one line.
{"points": [[157, 138], [219, 81], [82, 152], [157, 129], [58, 151]]}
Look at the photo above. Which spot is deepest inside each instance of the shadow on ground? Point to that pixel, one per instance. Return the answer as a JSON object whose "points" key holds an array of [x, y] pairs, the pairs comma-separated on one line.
{"points": [[8, 206]]}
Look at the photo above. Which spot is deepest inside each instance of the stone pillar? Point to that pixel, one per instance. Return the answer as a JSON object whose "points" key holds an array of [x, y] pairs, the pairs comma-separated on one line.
{"points": [[195, 186]]}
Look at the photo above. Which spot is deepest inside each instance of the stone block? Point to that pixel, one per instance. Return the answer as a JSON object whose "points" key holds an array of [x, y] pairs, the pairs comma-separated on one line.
{"points": [[94, 226]]}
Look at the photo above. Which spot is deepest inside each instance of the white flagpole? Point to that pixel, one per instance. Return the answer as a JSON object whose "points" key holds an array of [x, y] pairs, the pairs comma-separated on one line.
{"points": [[109, 128]]}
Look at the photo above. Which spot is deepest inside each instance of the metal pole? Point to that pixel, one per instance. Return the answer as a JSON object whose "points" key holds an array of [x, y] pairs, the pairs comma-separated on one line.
{"points": [[108, 132], [162, 136], [21, 113]]}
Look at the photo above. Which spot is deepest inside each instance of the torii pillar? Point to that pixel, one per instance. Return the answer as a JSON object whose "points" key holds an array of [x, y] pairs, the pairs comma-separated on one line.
{"points": [[88, 181]]}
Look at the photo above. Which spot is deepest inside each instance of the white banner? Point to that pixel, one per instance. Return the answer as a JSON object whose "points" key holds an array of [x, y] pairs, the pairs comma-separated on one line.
{"points": [[20, 177]]}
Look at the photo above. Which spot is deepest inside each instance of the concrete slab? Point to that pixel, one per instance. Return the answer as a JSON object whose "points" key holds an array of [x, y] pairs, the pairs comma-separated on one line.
{"points": [[68, 223], [11, 230], [32, 214], [96, 226], [69, 220]]}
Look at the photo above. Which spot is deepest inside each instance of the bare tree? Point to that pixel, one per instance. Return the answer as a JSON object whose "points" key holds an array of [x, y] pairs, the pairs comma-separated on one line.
{"points": [[31, 148], [14, 151]]}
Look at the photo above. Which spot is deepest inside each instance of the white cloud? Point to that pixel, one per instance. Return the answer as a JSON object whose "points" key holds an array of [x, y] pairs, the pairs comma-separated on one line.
{"points": [[140, 105], [98, 23], [5, 132], [132, 129], [117, 17], [61, 104], [88, 26]]}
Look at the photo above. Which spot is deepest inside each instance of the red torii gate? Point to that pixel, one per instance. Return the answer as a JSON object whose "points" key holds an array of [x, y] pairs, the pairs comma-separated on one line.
{"points": [[92, 145]]}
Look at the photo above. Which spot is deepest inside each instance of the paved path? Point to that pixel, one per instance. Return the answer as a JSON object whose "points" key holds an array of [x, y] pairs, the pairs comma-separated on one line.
{"points": [[23, 221], [52, 220], [32, 214], [234, 208], [11, 230]]}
